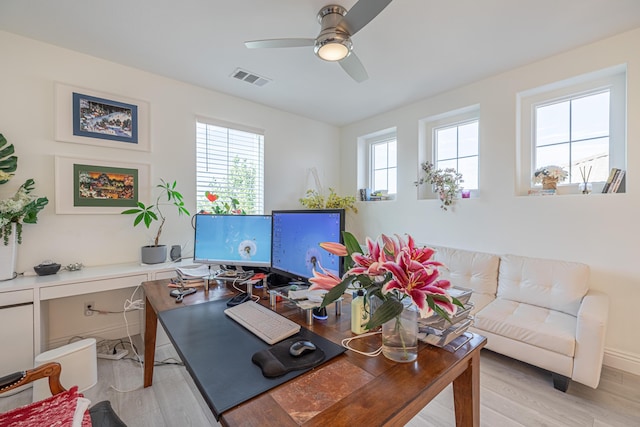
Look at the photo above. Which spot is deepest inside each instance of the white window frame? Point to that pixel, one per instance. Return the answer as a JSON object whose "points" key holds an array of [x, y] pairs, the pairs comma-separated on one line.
{"points": [[385, 138], [612, 79], [256, 150], [427, 152], [456, 124]]}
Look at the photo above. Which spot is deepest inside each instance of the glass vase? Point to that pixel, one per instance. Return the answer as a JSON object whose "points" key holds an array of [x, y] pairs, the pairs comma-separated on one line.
{"points": [[400, 336]]}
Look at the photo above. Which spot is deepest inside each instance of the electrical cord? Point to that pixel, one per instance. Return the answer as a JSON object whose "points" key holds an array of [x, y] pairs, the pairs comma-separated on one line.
{"points": [[255, 298], [347, 341]]}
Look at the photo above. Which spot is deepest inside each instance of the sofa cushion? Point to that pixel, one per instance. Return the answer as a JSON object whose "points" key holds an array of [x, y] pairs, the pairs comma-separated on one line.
{"points": [[541, 327], [556, 285], [477, 271]]}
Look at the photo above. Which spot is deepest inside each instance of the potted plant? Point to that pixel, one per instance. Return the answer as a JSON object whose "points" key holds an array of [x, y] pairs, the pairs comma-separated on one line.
{"points": [[167, 196], [21, 208], [314, 200], [446, 183], [549, 176]]}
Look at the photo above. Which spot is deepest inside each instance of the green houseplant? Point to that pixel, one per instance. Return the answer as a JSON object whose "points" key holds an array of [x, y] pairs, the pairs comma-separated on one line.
{"points": [[445, 182], [167, 196], [314, 200], [21, 208]]}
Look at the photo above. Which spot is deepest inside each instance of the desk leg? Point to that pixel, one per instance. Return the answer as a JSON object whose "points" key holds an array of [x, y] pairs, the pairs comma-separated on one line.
{"points": [[150, 329], [466, 394]]}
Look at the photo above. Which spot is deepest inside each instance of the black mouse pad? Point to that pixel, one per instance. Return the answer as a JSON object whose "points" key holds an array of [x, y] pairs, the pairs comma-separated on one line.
{"points": [[276, 361], [217, 353]]}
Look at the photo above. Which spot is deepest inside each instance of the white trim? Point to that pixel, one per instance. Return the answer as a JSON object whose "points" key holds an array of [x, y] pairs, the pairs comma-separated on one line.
{"points": [[427, 149], [612, 79], [624, 361], [229, 125]]}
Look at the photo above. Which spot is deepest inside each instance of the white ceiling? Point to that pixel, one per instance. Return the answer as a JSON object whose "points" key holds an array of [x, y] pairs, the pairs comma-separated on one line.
{"points": [[412, 50]]}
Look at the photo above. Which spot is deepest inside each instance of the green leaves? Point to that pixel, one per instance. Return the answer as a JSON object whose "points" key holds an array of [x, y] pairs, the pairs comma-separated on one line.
{"points": [[8, 162], [148, 214], [389, 309]]}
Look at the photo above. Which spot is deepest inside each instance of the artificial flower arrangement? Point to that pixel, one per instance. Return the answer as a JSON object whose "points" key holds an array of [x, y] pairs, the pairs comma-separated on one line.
{"points": [[446, 182], [22, 207], [219, 207], [392, 270], [552, 172]]}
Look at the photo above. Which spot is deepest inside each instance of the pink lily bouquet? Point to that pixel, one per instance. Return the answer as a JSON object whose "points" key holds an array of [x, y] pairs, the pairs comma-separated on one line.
{"points": [[392, 270]]}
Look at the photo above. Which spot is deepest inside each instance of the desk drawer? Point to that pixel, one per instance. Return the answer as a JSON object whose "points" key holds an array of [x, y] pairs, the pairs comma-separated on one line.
{"points": [[61, 291], [16, 297]]}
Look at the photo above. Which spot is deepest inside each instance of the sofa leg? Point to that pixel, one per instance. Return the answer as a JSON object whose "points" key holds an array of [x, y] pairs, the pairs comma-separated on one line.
{"points": [[560, 382]]}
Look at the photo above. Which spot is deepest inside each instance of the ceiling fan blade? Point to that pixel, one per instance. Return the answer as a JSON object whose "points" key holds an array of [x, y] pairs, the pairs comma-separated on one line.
{"points": [[361, 14], [352, 65], [261, 44]]}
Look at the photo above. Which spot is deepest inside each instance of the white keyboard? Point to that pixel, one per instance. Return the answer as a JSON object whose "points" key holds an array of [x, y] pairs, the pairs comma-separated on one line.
{"points": [[264, 323]]}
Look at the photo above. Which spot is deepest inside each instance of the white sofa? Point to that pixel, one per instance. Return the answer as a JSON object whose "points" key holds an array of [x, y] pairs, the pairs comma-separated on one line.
{"points": [[538, 311]]}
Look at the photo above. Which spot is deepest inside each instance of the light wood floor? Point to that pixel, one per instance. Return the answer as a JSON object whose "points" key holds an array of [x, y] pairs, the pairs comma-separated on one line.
{"points": [[512, 394]]}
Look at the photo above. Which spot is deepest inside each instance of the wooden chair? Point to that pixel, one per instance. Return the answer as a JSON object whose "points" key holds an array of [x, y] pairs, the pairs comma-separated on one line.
{"points": [[102, 414]]}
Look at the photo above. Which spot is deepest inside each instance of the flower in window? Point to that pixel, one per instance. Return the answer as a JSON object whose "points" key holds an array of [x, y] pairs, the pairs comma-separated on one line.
{"points": [[552, 172]]}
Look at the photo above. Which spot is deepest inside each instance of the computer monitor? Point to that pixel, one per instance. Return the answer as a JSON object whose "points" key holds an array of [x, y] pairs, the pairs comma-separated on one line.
{"points": [[296, 238], [233, 240]]}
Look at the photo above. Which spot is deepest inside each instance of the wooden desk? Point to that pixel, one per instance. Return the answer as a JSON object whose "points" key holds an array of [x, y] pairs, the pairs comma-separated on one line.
{"points": [[157, 299], [351, 389]]}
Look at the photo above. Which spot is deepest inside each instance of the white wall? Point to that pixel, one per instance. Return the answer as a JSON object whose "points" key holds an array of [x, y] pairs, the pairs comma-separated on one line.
{"points": [[29, 69], [599, 230], [293, 144]]}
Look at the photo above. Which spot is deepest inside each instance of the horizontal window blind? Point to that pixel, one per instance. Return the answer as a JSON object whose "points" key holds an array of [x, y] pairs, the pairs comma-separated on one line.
{"points": [[230, 164]]}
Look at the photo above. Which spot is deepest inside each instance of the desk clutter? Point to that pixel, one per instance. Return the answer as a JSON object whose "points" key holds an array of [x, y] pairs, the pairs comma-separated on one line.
{"points": [[438, 331]]}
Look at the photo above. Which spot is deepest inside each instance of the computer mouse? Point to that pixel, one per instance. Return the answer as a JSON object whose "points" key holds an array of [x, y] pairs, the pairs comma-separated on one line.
{"points": [[299, 348]]}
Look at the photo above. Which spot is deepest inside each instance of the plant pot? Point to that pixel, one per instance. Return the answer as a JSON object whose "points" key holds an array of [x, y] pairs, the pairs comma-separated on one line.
{"points": [[549, 183], [153, 254], [8, 256]]}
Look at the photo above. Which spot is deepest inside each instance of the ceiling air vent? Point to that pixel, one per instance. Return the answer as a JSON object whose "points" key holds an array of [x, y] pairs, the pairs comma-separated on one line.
{"points": [[249, 77]]}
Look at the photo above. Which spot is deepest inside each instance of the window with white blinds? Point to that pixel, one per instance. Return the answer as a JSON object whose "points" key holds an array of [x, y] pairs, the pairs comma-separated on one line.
{"points": [[229, 164]]}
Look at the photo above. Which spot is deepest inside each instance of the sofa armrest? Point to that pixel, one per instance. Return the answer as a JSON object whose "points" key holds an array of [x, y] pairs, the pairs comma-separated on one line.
{"points": [[591, 328]]}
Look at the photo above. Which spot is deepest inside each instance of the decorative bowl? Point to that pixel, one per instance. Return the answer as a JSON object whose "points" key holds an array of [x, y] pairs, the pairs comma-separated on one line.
{"points": [[45, 269]]}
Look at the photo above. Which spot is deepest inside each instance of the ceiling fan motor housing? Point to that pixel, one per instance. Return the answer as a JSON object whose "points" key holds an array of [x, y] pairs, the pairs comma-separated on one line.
{"points": [[331, 35]]}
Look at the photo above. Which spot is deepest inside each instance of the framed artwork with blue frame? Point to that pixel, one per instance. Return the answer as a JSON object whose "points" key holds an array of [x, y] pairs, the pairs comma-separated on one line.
{"points": [[104, 118], [86, 116]]}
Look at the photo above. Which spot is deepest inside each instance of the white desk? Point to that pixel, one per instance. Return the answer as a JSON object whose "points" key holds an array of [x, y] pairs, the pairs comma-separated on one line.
{"points": [[23, 302]]}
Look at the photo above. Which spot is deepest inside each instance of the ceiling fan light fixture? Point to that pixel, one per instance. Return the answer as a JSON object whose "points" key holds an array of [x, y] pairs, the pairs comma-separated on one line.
{"points": [[333, 51]]}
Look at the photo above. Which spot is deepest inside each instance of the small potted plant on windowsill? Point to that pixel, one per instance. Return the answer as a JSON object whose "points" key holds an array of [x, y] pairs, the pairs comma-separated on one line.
{"points": [[445, 182], [168, 195]]}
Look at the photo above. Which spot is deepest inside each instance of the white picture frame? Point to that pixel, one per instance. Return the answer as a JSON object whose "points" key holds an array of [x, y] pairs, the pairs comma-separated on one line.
{"points": [[66, 169], [68, 118]]}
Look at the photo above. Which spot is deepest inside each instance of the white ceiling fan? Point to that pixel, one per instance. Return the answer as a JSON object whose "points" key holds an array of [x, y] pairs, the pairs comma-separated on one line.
{"points": [[334, 41]]}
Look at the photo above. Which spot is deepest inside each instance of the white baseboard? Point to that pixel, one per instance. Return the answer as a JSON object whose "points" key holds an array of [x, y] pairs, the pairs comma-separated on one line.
{"points": [[624, 361], [110, 333]]}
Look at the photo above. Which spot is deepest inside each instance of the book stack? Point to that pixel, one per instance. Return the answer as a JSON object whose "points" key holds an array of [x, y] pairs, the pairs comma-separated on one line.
{"points": [[615, 182], [542, 192], [438, 331]]}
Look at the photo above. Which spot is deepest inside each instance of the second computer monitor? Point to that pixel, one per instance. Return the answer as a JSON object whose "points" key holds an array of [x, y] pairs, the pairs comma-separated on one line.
{"points": [[296, 238]]}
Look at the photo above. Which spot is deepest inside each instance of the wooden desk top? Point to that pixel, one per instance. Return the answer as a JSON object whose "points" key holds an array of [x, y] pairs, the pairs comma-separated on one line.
{"points": [[351, 389]]}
